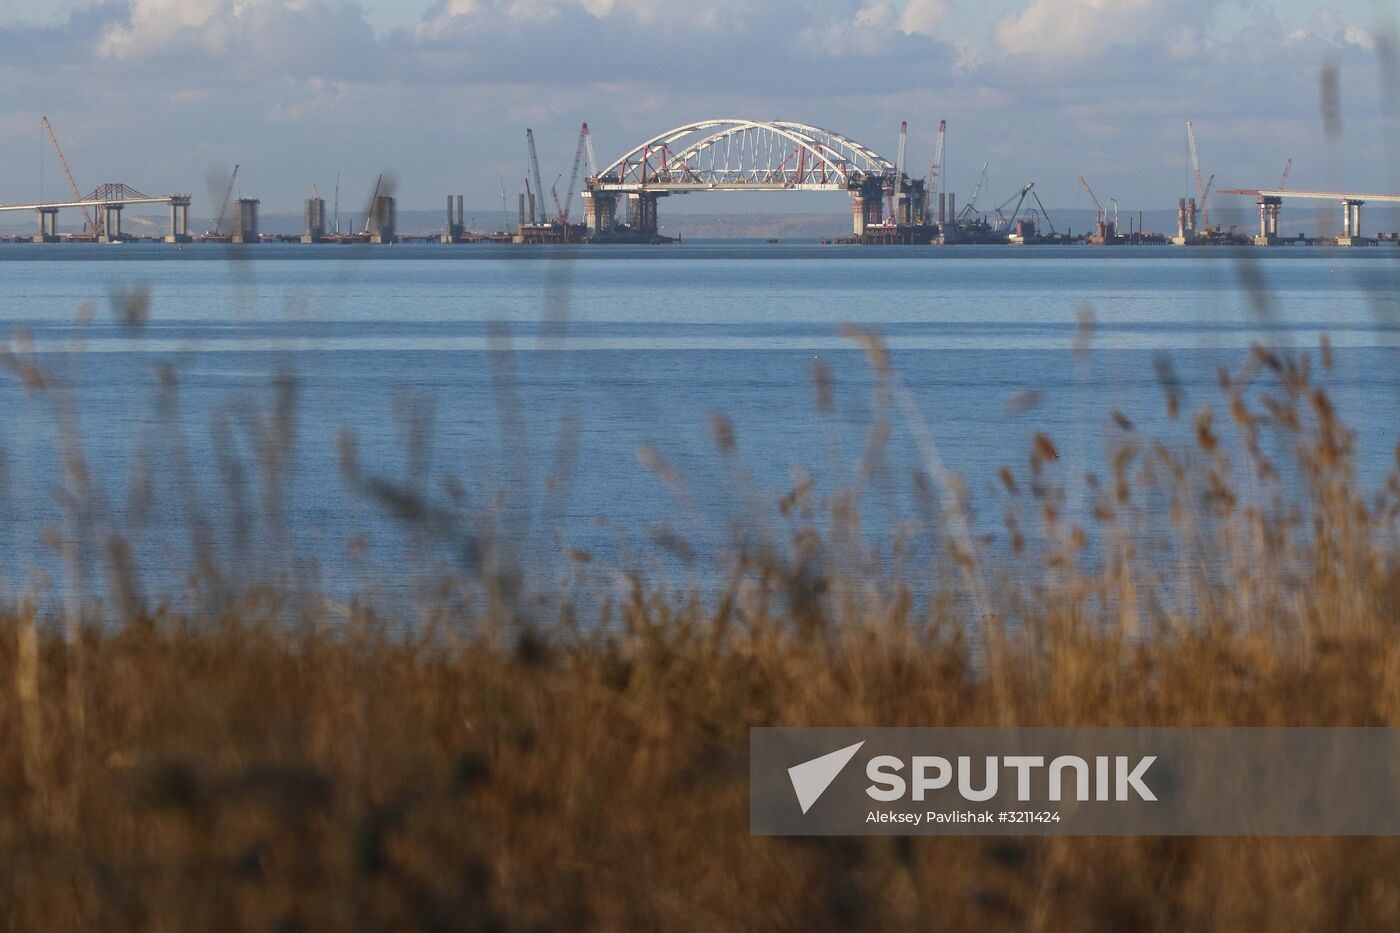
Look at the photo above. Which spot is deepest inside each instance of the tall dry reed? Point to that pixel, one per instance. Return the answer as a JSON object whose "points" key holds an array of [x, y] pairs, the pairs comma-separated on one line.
{"points": [[267, 758]]}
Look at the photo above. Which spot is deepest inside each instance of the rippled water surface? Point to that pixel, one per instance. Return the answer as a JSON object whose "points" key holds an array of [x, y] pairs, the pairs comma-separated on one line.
{"points": [[505, 354]]}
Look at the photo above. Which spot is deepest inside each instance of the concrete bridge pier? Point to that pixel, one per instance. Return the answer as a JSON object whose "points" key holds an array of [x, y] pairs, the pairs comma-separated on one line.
{"points": [[456, 229], [1351, 223], [641, 211], [111, 224], [245, 221], [48, 225], [1269, 207], [314, 217], [179, 220], [867, 206], [599, 211]]}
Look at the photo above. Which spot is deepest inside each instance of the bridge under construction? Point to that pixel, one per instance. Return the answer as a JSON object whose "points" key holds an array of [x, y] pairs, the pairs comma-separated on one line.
{"points": [[1270, 201], [754, 155], [621, 200], [103, 212]]}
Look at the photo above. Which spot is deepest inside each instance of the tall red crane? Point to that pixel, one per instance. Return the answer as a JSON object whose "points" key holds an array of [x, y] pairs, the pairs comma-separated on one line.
{"points": [[77, 195]]}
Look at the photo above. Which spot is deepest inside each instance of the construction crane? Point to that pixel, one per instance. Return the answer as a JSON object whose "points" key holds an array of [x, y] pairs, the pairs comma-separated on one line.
{"points": [[559, 211], [970, 208], [898, 168], [592, 159], [1283, 182], [505, 211], [223, 207], [534, 170], [1094, 197], [371, 213], [581, 152], [933, 180], [1004, 222], [77, 195], [337, 203], [1201, 189]]}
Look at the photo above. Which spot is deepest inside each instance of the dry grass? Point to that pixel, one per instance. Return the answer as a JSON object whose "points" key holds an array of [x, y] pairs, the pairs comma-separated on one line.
{"points": [[272, 762]]}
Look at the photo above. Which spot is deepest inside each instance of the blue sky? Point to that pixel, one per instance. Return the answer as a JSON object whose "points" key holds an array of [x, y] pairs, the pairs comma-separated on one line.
{"points": [[167, 94]]}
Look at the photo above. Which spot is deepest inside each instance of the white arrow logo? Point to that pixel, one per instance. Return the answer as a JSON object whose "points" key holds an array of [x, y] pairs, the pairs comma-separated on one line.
{"points": [[811, 778]]}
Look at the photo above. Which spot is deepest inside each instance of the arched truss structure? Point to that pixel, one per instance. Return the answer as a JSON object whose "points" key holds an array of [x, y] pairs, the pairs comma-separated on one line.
{"points": [[745, 155]]}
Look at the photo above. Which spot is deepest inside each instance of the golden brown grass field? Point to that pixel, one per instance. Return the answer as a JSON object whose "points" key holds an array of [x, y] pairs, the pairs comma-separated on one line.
{"points": [[274, 761]]}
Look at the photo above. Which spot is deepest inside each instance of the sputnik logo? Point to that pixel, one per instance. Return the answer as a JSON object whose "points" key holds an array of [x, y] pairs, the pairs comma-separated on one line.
{"points": [[811, 778]]}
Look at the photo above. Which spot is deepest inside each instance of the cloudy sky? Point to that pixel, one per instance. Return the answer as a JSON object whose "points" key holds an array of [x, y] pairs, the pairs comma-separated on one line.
{"points": [[167, 94]]}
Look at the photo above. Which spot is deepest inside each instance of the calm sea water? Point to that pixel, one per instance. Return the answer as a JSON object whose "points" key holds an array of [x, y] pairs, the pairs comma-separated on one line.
{"points": [[524, 382]]}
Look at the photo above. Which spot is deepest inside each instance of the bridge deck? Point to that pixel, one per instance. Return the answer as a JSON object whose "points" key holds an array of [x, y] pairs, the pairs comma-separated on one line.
{"points": [[1315, 195]]}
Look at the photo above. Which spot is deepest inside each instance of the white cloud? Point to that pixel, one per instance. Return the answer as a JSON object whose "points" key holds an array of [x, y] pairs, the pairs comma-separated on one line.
{"points": [[926, 17], [157, 23], [1329, 27], [1081, 30], [288, 37], [700, 14]]}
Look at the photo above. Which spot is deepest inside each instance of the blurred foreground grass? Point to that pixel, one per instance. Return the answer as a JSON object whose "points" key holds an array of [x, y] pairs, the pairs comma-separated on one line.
{"points": [[270, 761]]}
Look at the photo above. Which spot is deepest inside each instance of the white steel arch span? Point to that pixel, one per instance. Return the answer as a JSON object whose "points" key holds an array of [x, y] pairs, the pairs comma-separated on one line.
{"points": [[744, 155]]}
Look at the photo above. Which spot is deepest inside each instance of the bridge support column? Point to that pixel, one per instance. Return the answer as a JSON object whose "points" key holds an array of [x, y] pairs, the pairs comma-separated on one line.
{"points": [[1351, 223], [867, 207], [599, 211], [245, 221], [641, 212], [48, 225], [111, 223], [1269, 207], [179, 219]]}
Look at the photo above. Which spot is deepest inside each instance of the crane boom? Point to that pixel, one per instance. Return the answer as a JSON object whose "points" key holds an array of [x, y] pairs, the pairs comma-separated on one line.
{"points": [[932, 180], [534, 166], [1094, 197], [373, 200], [592, 166], [981, 183], [1046, 214], [899, 168], [559, 212], [223, 207], [77, 195], [1020, 199], [580, 153], [1283, 182], [1201, 189]]}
